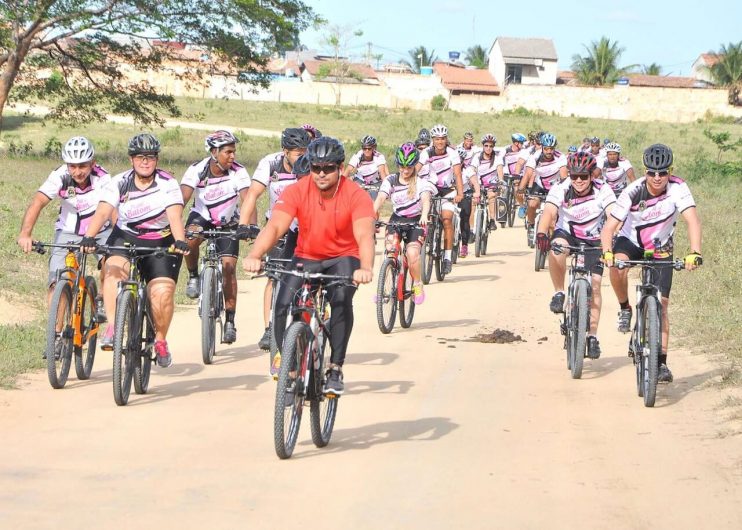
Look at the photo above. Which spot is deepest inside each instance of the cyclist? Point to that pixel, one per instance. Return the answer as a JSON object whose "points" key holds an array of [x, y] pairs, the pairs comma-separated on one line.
{"points": [[337, 237], [489, 168], [312, 131], [595, 148], [149, 205], [218, 181], [467, 145], [544, 169], [585, 145], [367, 166], [410, 198], [507, 167], [616, 170], [578, 206], [648, 209], [530, 148], [79, 184], [275, 173], [472, 194], [441, 164]]}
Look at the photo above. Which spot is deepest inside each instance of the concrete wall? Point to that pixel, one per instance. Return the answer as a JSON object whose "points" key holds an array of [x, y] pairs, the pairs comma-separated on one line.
{"points": [[531, 75]]}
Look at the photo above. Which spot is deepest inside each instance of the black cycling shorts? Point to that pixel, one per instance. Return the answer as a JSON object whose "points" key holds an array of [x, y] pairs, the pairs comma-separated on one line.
{"points": [[150, 267], [623, 245], [408, 235], [592, 259], [225, 246]]}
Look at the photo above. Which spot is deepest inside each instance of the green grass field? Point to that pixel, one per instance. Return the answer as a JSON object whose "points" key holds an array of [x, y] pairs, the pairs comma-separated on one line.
{"points": [[707, 304]]}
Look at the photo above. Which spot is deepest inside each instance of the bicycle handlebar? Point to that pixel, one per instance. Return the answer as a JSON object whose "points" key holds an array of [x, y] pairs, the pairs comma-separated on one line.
{"points": [[558, 248], [134, 251], [397, 224], [272, 271], [209, 234], [677, 264]]}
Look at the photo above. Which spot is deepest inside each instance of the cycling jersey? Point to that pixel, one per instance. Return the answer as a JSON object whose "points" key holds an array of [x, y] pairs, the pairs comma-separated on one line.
{"points": [[486, 170], [216, 197], [616, 177], [402, 204], [141, 213], [471, 153], [547, 171], [649, 222], [509, 159], [582, 217], [367, 170], [440, 167], [78, 204]]}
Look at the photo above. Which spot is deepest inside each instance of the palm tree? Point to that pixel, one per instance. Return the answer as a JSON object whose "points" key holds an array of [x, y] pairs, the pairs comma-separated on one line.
{"points": [[420, 56], [652, 69], [600, 65], [477, 56], [727, 71]]}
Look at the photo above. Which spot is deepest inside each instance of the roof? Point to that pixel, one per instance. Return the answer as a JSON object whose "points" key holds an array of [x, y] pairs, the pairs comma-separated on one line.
{"points": [[527, 48], [709, 59], [280, 65], [363, 69], [662, 81], [462, 79], [566, 77]]}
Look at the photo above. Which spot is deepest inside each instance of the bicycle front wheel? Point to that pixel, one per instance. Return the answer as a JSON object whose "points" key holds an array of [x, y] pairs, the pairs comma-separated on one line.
{"points": [[439, 253], [143, 358], [208, 314], [85, 354], [579, 327], [386, 296], [59, 335], [407, 304], [479, 229], [511, 206], [501, 210], [291, 388], [651, 344], [126, 344], [322, 409], [426, 255]]}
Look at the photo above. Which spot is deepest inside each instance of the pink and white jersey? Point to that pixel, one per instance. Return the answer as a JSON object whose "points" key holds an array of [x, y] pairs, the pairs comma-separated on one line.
{"points": [[582, 217], [367, 170], [509, 160], [472, 152], [486, 170], [78, 204], [142, 212], [216, 198], [616, 177], [547, 171], [272, 174], [402, 204], [647, 219], [439, 168]]}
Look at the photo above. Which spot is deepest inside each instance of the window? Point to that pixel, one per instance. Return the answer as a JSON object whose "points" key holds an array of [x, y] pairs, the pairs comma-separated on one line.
{"points": [[514, 74]]}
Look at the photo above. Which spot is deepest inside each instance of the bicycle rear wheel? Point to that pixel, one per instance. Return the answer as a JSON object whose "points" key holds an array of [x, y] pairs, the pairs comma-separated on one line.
{"points": [[126, 344], [143, 358], [59, 335], [291, 389], [273, 348], [386, 296], [208, 314], [439, 253], [579, 327], [426, 256], [322, 409], [407, 304], [479, 229], [511, 205], [85, 354], [651, 344]]}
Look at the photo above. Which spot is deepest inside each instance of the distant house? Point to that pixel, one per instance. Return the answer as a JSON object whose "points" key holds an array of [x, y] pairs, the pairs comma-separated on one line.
{"points": [[523, 61], [700, 67], [460, 80], [567, 77], [323, 70]]}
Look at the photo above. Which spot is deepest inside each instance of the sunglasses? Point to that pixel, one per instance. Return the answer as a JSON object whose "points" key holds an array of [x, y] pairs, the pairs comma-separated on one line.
{"points": [[422, 147], [580, 177], [326, 168], [145, 158], [489, 145], [657, 173]]}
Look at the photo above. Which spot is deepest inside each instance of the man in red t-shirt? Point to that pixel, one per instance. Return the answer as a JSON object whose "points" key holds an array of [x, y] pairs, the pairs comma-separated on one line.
{"points": [[336, 236]]}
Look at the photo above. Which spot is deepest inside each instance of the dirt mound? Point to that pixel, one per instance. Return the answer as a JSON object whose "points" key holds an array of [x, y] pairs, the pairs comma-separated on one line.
{"points": [[498, 336]]}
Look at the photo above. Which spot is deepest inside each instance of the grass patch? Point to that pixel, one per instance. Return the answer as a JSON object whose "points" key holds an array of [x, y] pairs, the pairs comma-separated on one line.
{"points": [[21, 350]]}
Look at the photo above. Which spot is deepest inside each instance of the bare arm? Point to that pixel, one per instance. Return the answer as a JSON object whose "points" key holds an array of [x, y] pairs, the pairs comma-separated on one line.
{"points": [[248, 209], [38, 203], [348, 171], [383, 171], [606, 235], [550, 213], [380, 200], [426, 209], [277, 226], [526, 180], [102, 213], [562, 173], [458, 181], [187, 193], [175, 218], [694, 228], [363, 231], [630, 174]]}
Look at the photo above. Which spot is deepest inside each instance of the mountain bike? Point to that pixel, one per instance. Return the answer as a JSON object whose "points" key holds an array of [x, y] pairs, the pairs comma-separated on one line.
{"points": [[302, 374], [645, 344], [501, 203], [433, 248], [575, 324], [512, 207], [394, 289], [540, 257], [481, 226], [73, 322]]}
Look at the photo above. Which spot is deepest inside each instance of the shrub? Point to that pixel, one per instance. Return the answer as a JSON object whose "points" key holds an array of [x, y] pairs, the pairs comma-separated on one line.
{"points": [[438, 103]]}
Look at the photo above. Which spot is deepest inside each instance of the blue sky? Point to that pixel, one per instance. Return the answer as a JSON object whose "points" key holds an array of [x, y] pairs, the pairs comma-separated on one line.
{"points": [[669, 33]]}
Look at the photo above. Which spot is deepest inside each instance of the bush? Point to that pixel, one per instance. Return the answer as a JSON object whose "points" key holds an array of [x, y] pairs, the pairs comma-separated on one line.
{"points": [[438, 103], [52, 148]]}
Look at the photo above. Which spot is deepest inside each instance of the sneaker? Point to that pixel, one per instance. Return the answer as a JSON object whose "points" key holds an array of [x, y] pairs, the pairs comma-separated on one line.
{"points": [[334, 383], [624, 320], [230, 333], [557, 303], [418, 293], [593, 347], [164, 359], [265, 341], [446, 269], [464, 251], [106, 341], [522, 212], [275, 365], [664, 375], [491, 225], [100, 310], [471, 238], [193, 287]]}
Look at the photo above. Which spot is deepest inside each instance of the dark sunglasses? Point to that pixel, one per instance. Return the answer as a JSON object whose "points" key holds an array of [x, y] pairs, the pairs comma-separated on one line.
{"points": [[658, 173], [580, 177], [326, 168]]}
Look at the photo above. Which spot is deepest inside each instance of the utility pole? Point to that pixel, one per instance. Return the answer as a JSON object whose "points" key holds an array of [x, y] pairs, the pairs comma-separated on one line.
{"points": [[368, 54]]}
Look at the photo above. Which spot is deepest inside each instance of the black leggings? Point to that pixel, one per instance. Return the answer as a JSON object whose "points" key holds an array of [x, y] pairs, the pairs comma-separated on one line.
{"points": [[340, 297], [465, 206]]}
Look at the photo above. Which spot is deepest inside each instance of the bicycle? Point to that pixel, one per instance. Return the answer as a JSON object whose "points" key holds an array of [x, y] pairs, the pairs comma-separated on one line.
{"points": [[575, 324], [432, 249], [302, 374], [481, 226], [73, 322], [211, 297], [512, 207], [645, 344], [501, 202], [540, 257], [394, 290], [134, 329]]}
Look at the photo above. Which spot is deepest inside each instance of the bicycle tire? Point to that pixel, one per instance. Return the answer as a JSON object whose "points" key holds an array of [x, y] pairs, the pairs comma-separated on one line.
{"points": [[144, 358], [273, 348], [478, 229], [85, 354], [386, 296], [209, 310], [485, 239], [537, 259], [456, 239], [427, 257], [125, 336], [501, 211], [287, 420], [322, 409], [579, 325], [407, 304], [439, 253], [651, 349], [511, 205], [58, 364]]}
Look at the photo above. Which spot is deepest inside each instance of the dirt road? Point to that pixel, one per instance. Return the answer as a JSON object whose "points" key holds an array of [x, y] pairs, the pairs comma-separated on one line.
{"points": [[434, 432]]}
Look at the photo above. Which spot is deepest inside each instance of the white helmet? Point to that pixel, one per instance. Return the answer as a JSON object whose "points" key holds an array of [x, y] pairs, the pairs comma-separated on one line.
{"points": [[612, 147], [78, 150], [439, 131]]}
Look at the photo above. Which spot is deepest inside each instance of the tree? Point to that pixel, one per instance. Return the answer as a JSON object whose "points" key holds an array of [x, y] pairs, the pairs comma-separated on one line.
{"points": [[600, 65], [727, 71], [338, 39], [477, 56], [652, 69], [91, 48], [420, 57]]}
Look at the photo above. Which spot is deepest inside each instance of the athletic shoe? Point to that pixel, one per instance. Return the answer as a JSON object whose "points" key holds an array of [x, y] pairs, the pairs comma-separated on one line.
{"points": [[464, 251], [100, 310], [491, 225], [624, 320], [471, 237], [265, 341], [418, 293], [193, 287], [334, 383], [164, 359], [557, 303], [593, 347], [664, 375], [275, 365], [230, 333], [106, 340], [446, 268]]}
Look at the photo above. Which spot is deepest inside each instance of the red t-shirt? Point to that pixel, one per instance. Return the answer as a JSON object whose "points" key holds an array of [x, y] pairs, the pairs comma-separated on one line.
{"points": [[325, 225]]}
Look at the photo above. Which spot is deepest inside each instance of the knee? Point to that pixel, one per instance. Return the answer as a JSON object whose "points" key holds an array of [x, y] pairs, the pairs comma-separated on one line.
{"points": [[229, 268]]}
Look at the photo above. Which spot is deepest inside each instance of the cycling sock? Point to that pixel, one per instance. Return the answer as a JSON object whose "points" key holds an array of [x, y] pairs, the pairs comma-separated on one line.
{"points": [[193, 273], [625, 305], [663, 358], [447, 254], [229, 315]]}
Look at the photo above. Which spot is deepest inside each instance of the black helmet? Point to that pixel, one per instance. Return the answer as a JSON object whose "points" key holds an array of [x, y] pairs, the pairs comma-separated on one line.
{"points": [[301, 166], [143, 143], [657, 157], [368, 141], [326, 150], [424, 134], [422, 141], [581, 163], [295, 138]]}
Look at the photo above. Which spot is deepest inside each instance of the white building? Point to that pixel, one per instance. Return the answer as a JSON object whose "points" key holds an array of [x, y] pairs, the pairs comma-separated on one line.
{"points": [[523, 61]]}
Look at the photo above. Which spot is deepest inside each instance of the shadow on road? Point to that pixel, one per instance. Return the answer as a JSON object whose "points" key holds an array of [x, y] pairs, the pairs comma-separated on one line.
{"points": [[477, 261], [601, 367], [669, 394], [379, 387], [445, 323], [516, 253], [371, 358], [242, 353], [484, 277], [187, 387]]}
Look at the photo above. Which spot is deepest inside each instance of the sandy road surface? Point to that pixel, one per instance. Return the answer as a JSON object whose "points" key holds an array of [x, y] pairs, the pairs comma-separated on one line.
{"points": [[434, 432]]}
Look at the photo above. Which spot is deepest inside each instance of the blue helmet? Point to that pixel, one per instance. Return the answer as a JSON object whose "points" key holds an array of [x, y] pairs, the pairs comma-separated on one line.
{"points": [[548, 140], [572, 149], [518, 137]]}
